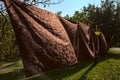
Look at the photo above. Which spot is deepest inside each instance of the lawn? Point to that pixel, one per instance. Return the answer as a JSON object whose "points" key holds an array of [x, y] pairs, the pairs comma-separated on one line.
{"points": [[107, 68]]}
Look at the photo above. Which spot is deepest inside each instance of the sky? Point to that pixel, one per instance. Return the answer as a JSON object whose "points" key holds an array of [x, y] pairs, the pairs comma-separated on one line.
{"points": [[70, 6]]}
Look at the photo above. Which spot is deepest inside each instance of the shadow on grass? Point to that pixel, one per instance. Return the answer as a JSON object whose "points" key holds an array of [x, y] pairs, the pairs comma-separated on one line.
{"points": [[70, 70], [60, 74], [83, 77], [13, 75], [101, 59]]}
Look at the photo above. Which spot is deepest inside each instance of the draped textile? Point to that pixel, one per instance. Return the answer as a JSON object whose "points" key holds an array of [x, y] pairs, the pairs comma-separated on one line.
{"points": [[47, 41]]}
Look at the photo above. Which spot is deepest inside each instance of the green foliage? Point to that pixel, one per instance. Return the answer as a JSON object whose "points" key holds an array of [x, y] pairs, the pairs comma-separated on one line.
{"points": [[67, 17], [98, 33], [8, 46], [106, 17], [59, 13], [80, 17]]}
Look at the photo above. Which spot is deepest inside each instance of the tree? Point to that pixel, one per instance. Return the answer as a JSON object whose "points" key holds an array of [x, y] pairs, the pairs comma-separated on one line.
{"points": [[105, 18], [67, 17], [43, 2], [79, 17], [59, 13]]}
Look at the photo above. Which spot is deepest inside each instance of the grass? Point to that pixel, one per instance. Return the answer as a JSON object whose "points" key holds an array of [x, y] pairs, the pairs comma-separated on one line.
{"points": [[11, 71], [107, 68]]}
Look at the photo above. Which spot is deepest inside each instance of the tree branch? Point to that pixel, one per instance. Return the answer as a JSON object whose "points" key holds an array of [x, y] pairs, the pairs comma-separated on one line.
{"points": [[47, 2]]}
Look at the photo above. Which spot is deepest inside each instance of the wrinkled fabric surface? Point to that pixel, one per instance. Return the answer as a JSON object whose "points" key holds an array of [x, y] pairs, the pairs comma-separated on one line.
{"points": [[47, 41]]}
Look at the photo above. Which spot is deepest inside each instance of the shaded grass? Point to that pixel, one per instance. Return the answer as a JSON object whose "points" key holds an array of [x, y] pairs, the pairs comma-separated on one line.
{"points": [[11, 71], [107, 68]]}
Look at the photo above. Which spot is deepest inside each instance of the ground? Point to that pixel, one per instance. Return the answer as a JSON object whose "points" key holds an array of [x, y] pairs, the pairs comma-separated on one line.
{"points": [[107, 68]]}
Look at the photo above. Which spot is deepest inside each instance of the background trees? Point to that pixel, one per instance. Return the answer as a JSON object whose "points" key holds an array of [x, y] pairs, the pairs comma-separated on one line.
{"points": [[105, 18], [8, 45]]}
